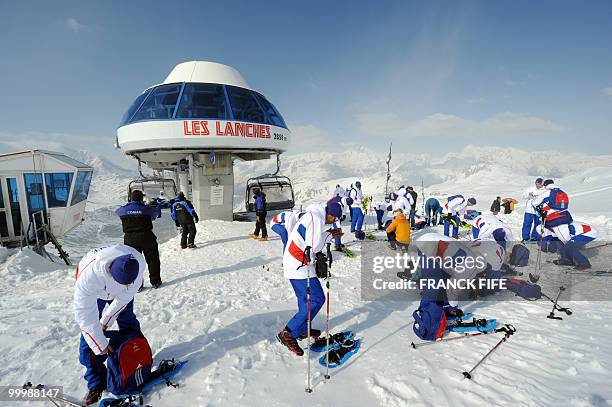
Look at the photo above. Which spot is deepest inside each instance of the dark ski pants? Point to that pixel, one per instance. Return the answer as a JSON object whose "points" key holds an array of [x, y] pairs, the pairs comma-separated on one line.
{"points": [[260, 224], [356, 219], [95, 373], [431, 214], [379, 217], [282, 232], [412, 215], [298, 325], [571, 251], [447, 226], [146, 243], [188, 233], [530, 227]]}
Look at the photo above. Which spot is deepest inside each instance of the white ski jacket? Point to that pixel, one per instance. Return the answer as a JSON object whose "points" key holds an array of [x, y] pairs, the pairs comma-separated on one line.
{"points": [[532, 194], [93, 282], [456, 206], [487, 224], [310, 230]]}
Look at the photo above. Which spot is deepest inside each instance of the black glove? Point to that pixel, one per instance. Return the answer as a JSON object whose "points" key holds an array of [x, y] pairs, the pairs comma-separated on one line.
{"points": [[321, 267], [177, 224], [196, 218]]}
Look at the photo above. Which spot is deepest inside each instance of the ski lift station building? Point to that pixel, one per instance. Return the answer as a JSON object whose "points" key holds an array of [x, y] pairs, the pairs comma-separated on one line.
{"points": [[200, 119], [40, 187]]}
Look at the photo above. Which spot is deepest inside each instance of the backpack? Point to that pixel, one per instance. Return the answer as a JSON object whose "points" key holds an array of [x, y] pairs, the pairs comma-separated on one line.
{"points": [[558, 199], [129, 366], [429, 321], [519, 256], [524, 289]]}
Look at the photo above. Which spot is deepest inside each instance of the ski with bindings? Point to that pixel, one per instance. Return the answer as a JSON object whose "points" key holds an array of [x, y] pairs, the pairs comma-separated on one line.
{"points": [[340, 353]]}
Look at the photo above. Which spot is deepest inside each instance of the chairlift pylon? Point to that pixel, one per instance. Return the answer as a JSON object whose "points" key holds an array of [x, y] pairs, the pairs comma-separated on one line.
{"points": [[278, 190]]}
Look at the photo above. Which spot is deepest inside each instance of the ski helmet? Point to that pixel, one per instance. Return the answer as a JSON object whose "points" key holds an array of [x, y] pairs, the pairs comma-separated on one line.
{"points": [[334, 209], [472, 201]]}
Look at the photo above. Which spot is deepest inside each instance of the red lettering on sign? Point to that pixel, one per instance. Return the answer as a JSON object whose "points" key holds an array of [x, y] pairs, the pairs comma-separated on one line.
{"points": [[196, 128]]}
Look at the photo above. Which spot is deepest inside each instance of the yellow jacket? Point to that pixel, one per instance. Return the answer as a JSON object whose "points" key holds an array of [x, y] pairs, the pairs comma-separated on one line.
{"points": [[401, 227]]}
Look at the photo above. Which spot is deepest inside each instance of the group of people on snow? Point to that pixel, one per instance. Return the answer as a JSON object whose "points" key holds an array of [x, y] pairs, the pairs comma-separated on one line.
{"points": [[108, 278]]}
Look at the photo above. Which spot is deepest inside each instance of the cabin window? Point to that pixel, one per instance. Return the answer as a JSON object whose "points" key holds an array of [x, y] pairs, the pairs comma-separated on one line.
{"points": [[202, 101], [58, 188], [34, 192], [159, 104], [81, 187], [244, 105]]}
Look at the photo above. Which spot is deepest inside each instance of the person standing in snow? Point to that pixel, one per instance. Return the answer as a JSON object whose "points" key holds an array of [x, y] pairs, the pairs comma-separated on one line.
{"points": [[531, 220], [432, 206], [184, 215], [568, 240], [109, 276], [552, 213], [306, 242], [496, 206], [137, 223], [453, 212], [356, 195], [260, 213], [415, 196]]}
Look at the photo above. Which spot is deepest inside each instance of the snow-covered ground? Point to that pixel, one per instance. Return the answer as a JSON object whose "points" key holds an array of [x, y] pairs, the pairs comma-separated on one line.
{"points": [[222, 304]]}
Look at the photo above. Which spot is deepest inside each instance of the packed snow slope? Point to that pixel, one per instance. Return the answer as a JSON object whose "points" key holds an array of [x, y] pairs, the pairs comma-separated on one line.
{"points": [[222, 304]]}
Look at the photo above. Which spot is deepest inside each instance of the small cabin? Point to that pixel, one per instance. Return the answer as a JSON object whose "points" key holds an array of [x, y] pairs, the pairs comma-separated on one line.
{"points": [[40, 187]]}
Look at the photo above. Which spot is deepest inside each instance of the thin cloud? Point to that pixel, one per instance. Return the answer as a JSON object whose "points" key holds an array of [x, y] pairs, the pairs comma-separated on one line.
{"points": [[475, 101], [607, 91], [75, 25], [441, 124]]}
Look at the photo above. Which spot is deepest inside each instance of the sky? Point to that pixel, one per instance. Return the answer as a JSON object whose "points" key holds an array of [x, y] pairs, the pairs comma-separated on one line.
{"points": [[428, 76]]}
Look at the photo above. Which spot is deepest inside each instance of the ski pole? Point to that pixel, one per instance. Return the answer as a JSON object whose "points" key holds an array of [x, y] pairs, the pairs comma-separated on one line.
{"points": [[308, 387], [552, 312], [330, 259], [505, 328], [536, 276], [557, 307], [511, 330]]}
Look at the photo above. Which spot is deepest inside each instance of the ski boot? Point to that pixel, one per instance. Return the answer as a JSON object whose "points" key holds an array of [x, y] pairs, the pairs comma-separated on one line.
{"points": [[253, 236], [314, 333], [157, 284], [191, 246], [286, 339], [339, 248], [263, 239], [563, 262], [93, 396]]}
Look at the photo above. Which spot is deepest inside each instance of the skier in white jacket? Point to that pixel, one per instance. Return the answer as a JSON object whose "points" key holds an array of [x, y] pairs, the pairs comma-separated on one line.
{"points": [[453, 212], [109, 275], [309, 237], [357, 216], [531, 220]]}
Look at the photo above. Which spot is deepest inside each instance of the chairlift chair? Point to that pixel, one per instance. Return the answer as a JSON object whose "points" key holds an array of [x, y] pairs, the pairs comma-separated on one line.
{"points": [[151, 187], [278, 190]]}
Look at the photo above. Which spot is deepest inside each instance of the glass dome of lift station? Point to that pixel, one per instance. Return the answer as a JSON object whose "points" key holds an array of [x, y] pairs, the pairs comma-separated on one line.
{"points": [[202, 106]]}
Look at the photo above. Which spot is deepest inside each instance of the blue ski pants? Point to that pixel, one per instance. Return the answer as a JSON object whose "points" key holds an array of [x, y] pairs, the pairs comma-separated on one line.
{"points": [[298, 325], [447, 226], [571, 251], [379, 217], [95, 373], [531, 222], [356, 219]]}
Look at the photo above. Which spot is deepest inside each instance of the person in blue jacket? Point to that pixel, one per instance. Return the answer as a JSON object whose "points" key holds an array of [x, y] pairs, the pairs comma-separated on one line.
{"points": [[260, 213], [184, 215], [137, 222], [432, 209]]}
